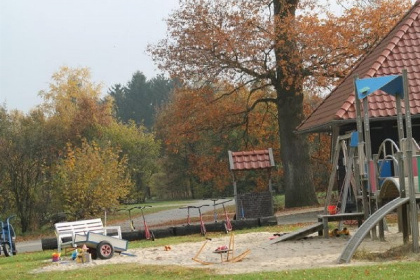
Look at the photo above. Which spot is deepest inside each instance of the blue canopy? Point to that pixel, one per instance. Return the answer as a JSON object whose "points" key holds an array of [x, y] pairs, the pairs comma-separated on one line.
{"points": [[390, 84]]}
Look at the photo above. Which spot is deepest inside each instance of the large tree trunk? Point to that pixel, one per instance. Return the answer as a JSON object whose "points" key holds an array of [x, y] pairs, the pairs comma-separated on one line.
{"points": [[288, 83], [294, 152]]}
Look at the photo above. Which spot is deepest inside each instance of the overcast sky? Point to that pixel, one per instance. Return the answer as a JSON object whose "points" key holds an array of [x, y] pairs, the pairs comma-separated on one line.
{"points": [[37, 37], [110, 37]]}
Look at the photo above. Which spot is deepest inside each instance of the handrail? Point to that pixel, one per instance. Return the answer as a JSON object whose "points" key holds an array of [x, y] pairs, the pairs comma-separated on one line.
{"points": [[383, 151]]}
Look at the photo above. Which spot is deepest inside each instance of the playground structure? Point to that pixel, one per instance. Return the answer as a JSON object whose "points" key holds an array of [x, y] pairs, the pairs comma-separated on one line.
{"points": [[385, 177], [378, 184]]}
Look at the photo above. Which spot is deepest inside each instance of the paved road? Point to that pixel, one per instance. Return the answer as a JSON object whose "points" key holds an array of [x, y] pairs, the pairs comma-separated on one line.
{"points": [[170, 216]]}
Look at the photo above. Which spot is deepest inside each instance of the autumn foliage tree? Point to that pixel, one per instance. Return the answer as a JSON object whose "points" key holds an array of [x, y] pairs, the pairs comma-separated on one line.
{"points": [[285, 46], [73, 106], [72, 118], [90, 179], [198, 127], [24, 152], [142, 151]]}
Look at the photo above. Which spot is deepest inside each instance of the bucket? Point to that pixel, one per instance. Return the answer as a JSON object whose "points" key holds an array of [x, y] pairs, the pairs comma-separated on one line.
{"points": [[332, 209]]}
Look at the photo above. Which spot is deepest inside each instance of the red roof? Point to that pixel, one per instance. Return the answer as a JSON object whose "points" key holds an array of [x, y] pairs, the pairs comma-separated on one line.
{"points": [[257, 159], [399, 50]]}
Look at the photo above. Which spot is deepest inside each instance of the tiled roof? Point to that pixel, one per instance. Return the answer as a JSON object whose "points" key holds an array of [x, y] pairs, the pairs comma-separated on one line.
{"points": [[248, 160], [399, 50]]}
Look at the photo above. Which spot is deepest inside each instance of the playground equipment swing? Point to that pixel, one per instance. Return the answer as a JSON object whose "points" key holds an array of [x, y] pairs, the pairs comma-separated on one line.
{"points": [[226, 224], [227, 253], [203, 230], [148, 234], [188, 213]]}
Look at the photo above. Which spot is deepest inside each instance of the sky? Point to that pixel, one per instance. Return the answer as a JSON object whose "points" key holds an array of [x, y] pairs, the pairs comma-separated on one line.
{"points": [[110, 37]]}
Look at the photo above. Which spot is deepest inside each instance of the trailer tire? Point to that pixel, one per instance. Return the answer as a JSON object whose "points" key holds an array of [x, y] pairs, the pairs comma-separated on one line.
{"points": [[104, 250]]}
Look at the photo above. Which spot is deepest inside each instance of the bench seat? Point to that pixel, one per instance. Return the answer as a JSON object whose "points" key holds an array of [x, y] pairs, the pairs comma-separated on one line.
{"points": [[66, 231]]}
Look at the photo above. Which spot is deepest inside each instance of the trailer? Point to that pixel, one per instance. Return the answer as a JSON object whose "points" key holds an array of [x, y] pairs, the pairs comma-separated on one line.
{"points": [[101, 246]]}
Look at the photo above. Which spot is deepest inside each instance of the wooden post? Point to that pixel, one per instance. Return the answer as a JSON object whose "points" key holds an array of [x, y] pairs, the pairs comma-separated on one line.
{"points": [[235, 194], [404, 216], [409, 156], [358, 112], [334, 170], [400, 123], [361, 166]]}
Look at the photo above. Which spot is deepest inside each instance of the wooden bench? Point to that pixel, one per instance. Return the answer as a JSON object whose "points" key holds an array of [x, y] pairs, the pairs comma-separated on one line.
{"points": [[66, 231], [339, 217]]}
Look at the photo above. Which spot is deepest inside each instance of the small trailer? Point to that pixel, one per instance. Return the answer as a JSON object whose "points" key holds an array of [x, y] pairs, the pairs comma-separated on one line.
{"points": [[101, 246], [101, 240]]}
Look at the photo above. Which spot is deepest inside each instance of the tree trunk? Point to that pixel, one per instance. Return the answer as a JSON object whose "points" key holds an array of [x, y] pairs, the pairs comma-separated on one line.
{"points": [[288, 82], [294, 150]]}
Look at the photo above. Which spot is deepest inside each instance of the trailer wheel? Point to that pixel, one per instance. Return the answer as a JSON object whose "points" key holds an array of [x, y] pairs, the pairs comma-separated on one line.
{"points": [[105, 250]]}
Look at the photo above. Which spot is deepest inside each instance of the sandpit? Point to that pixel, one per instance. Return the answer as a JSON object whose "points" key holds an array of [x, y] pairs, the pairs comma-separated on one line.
{"points": [[311, 252]]}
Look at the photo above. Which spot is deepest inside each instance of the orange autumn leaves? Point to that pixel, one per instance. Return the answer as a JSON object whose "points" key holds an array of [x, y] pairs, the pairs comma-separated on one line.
{"points": [[201, 126]]}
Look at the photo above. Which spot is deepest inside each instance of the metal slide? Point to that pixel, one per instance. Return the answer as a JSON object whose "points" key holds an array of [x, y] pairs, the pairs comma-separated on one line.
{"points": [[370, 222]]}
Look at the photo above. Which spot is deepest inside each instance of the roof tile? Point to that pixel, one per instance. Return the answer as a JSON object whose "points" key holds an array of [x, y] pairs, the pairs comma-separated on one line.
{"points": [[248, 160], [398, 50]]}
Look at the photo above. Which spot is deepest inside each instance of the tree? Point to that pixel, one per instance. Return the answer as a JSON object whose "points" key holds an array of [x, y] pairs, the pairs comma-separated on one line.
{"points": [[74, 108], [23, 156], [142, 151], [90, 179], [197, 133], [267, 44], [139, 100]]}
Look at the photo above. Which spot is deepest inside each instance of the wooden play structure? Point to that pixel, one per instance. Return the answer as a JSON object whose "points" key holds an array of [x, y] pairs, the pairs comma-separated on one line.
{"points": [[386, 177], [377, 183]]}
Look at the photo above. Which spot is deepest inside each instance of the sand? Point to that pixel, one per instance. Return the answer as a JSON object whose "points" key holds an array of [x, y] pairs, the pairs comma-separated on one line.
{"points": [[312, 252]]}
